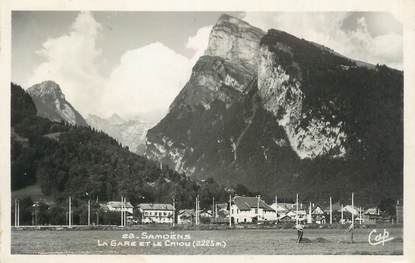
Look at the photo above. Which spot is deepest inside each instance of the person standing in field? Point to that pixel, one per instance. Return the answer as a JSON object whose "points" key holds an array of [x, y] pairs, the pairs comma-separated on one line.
{"points": [[350, 230], [300, 231]]}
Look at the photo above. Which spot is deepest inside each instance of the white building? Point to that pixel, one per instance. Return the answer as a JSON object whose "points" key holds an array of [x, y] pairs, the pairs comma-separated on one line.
{"points": [[156, 213], [116, 206], [251, 209], [280, 208]]}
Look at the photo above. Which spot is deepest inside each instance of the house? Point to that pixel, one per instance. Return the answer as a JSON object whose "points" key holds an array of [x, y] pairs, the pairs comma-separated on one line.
{"points": [[185, 216], [279, 208], [206, 213], [318, 215], [372, 216], [246, 209], [285, 219], [156, 213], [117, 206], [350, 210]]}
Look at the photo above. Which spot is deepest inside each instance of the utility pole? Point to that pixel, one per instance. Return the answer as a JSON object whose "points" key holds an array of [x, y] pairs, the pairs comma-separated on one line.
{"points": [[196, 212], [353, 208], [230, 209], [213, 207], [257, 208], [124, 206], [122, 217], [174, 210], [125, 211], [342, 220], [310, 220], [18, 212], [276, 205], [297, 219], [396, 211], [70, 213], [331, 212], [89, 212], [360, 215], [15, 212]]}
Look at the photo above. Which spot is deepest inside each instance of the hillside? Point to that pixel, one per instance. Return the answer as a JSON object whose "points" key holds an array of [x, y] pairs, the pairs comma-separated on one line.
{"points": [[70, 160], [283, 115]]}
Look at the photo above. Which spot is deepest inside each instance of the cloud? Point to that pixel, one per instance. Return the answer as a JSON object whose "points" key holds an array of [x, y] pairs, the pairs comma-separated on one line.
{"points": [[326, 29], [71, 61], [147, 79], [199, 42]]}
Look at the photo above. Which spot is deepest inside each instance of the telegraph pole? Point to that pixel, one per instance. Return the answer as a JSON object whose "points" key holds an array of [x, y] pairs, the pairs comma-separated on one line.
{"points": [[257, 208], [15, 212], [122, 218], [196, 210], [310, 220], [230, 209], [297, 209], [213, 207], [18, 212], [124, 205], [70, 213], [174, 209], [342, 220], [331, 212], [353, 208], [276, 205], [89, 212]]}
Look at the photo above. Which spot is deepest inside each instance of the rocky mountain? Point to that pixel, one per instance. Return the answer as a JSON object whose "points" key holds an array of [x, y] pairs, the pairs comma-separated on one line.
{"points": [[51, 104], [55, 160], [280, 114], [129, 132]]}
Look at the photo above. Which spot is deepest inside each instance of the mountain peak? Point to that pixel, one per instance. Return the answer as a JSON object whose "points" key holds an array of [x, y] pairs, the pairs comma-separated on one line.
{"points": [[51, 103], [235, 40], [228, 19], [115, 118], [46, 88]]}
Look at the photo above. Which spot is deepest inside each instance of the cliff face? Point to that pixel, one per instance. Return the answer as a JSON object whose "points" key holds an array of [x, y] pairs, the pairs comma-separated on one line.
{"points": [[282, 95], [51, 104], [281, 114], [236, 41]]}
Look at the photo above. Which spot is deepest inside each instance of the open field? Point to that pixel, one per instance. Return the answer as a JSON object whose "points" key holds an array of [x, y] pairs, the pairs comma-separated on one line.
{"points": [[234, 242]]}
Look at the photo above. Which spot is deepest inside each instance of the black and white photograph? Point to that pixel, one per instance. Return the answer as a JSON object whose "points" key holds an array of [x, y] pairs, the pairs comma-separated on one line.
{"points": [[206, 133]]}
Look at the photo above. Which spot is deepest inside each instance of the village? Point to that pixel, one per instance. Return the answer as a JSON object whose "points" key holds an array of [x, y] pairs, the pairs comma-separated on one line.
{"points": [[238, 211], [249, 210]]}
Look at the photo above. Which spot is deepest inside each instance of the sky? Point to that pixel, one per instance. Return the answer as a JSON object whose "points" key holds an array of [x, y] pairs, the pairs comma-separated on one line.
{"points": [[137, 62]]}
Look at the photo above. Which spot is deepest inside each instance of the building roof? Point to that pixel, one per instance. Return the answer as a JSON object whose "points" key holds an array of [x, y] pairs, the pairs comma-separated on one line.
{"points": [[148, 206], [371, 211], [279, 208], [317, 211], [118, 204], [350, 209], [186, 213], [248, 203]]}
